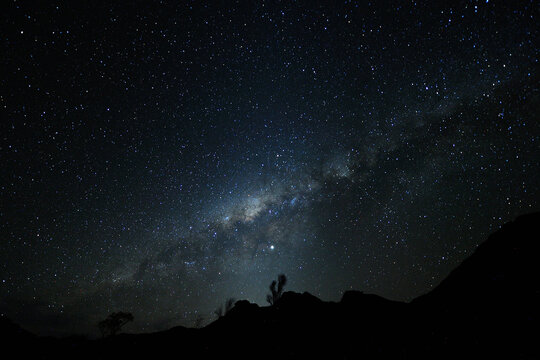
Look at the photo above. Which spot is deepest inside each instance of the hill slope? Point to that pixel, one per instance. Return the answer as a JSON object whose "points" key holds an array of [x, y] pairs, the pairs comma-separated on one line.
{"points": [[490, 302]]}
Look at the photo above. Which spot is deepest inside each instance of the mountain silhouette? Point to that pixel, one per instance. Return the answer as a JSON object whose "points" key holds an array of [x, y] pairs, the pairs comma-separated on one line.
{"points": [[490, 302], [486, 308], [11, 332]]}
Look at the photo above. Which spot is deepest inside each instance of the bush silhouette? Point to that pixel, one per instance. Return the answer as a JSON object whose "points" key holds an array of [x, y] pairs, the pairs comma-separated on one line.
{"points": [[223, 310], [114, 323], [275, 294]]}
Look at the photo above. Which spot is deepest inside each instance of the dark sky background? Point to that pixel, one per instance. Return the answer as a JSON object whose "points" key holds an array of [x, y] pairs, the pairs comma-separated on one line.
{"points": [[159, 158]]}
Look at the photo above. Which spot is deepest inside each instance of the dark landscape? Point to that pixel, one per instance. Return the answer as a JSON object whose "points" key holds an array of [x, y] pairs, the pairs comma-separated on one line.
{"points": [[486, 308]]}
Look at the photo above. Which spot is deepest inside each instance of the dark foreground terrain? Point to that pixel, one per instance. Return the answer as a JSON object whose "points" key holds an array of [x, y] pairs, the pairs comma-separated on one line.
{"points": [[486, 308]]}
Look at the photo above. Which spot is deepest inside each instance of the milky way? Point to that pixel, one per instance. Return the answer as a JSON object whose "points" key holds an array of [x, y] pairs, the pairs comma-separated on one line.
{"points": [[161, 158]]}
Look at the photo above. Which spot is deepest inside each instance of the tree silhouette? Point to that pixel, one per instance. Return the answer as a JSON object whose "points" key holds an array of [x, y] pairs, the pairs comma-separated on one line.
{"points": [[222, 311], [276, 293], [114, 323]]}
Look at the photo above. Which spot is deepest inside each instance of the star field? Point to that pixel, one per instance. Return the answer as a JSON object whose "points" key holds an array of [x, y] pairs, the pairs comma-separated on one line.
{"points": [[161, 157]]}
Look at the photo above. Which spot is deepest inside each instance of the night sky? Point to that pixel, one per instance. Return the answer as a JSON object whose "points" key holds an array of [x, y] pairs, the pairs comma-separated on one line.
{"points": [[159, 158]]}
